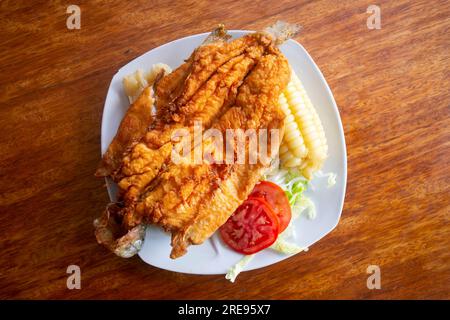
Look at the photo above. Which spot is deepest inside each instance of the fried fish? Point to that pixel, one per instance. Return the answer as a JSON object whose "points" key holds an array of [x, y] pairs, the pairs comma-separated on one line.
{"points": [[225, 85]]}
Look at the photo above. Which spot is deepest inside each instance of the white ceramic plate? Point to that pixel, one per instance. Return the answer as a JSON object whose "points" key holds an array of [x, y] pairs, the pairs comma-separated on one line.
{"points": [[213, 257]]}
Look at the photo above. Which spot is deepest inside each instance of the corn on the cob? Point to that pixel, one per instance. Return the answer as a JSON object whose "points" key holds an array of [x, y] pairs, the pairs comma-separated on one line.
{"points": [[304, 146], [292, 135], [288, 160]]}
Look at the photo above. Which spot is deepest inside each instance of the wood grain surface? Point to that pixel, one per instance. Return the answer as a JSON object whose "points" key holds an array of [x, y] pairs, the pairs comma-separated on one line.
{"points": [[392, 89]]}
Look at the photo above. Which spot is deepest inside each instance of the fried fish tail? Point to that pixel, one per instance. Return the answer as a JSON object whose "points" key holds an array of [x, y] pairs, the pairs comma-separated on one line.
{"points": [[281, 31], [217, 34], [110, 233]]}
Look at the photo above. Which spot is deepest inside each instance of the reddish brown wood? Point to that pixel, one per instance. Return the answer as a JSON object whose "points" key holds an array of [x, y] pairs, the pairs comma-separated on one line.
{"points": [[392, 89]]}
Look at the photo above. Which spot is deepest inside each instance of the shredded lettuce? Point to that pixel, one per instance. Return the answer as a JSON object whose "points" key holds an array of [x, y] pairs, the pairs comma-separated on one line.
{"points": [[287, 247], [304, 204], [294, 185], [292, 182], [289, 232], [238, 267], [331, 177], [295, 188]]}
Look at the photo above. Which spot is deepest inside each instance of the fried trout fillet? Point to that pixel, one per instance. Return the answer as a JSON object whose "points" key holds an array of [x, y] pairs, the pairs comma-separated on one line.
{"points": [[192, 201], [179, 101]]}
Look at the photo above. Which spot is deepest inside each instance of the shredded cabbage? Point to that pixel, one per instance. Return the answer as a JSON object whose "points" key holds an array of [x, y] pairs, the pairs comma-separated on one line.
{"points": [[331, 177], [294, 185], [238, 267], [305, 204], [287, 247]]}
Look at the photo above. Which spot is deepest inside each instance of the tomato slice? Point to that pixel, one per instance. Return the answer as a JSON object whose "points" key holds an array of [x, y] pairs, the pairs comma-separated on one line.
{"points": [[277, 200], [251, 228]]}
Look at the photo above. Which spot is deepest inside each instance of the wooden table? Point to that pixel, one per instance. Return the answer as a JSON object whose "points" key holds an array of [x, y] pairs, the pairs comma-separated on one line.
{"points": [[392, 89]]}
